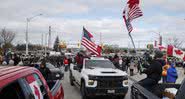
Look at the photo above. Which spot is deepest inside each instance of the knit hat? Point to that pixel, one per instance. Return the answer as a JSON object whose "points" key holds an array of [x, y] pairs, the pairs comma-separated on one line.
{"points": [[158, 54]]}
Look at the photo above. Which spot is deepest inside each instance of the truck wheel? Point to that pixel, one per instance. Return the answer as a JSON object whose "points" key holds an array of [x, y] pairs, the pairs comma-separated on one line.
{"points": [[71, 79], [83, 91]]}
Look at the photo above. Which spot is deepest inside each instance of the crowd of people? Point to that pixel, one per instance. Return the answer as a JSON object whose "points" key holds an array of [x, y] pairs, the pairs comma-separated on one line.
{"points": [[10, 59], [155, 68], [126, 63]]}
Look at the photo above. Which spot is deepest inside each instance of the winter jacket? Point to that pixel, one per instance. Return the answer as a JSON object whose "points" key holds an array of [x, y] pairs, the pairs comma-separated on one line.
{"points": [[154, 71], [172, 75], [45, 72], [79, 59]]}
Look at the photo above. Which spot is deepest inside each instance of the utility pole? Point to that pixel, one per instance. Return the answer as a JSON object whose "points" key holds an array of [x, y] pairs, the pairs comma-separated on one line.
{"points": [[160, 40], [100, 38], [45, 44], [27, 27], [49, 37], [42, 42]]}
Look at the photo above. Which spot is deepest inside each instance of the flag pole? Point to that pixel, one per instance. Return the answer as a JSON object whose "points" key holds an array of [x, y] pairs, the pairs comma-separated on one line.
{"points": [[132, 42], [139, 60]]}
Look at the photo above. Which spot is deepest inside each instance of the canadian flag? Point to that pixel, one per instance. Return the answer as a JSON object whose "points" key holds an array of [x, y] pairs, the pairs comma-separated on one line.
{"points": [[172, 51], [162, 48]]}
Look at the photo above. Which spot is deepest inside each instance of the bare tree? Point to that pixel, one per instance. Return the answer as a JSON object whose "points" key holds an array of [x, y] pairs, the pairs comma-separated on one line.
{"points": [[6, 37], [178, 43]]}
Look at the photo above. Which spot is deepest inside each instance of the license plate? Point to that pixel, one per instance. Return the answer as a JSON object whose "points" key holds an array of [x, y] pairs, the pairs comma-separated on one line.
{"points": [[110, 91]]}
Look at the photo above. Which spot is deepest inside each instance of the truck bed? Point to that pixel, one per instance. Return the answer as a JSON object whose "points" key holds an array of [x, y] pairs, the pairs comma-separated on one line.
{"points": [[139, 92]]}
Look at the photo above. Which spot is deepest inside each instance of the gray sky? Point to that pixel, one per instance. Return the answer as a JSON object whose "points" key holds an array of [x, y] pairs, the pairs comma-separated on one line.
{"points": [[67, 17]]}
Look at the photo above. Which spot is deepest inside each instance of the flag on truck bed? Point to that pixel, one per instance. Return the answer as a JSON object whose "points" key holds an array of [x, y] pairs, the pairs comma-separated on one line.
{"points": [[89, 44], [131, 12]]}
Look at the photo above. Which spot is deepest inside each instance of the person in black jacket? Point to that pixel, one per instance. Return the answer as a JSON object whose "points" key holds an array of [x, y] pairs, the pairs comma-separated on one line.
{"points": [[153, 72], [44, 70], [16, 59], [116, 61]]}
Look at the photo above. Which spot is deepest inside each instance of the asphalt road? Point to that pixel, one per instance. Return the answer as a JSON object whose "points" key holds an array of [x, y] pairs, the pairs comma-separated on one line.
{"points": [[72, 92]]}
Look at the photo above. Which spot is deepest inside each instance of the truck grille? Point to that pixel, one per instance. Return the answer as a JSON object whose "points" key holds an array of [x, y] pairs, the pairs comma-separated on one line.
{"points": [[110, 82]]}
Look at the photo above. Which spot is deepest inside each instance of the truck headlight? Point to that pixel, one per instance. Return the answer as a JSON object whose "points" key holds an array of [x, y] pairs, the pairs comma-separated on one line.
{"points": [[57, 75], [91, 82], [125, 82]]}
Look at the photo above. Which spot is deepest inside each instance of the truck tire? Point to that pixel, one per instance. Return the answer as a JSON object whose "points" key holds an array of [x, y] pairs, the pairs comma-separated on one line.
{"points": [[83, 91], [71, 79]]}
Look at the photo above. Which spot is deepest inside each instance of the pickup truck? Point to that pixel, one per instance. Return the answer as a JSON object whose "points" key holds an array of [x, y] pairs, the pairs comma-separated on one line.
{"points": [[99, 77], [160, 91], [27, 83]]}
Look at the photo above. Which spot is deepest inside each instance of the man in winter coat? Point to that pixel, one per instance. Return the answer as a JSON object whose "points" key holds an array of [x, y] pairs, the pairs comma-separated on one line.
{"points": [[131, 67], [44, 70], [116, 61], [16, 59], [153, 72]]}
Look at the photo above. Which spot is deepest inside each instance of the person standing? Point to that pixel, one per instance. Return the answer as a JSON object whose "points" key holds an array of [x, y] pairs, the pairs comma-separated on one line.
{"points": [[127, 61], [153, 72], [116, 61], [164, 72], [124, 64], [131, 67], [184, 66], [16, 59], [172, 74], [44, 70], [1, 59], [66, 64]]}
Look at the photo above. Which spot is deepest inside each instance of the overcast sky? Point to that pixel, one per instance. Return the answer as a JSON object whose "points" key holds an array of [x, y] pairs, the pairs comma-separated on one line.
{"points": [[67, 17]]}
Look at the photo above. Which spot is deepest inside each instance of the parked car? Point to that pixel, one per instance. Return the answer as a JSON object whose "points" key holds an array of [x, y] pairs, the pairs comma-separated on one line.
{"points": [[27, 83], [55, 72]]}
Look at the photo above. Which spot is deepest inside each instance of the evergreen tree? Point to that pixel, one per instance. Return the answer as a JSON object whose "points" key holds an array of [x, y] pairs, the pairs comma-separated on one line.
{"points": [[56, 45]]}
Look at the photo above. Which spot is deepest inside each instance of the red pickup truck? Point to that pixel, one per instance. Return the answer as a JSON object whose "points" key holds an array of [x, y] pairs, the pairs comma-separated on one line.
{"points": [[27, 83]]}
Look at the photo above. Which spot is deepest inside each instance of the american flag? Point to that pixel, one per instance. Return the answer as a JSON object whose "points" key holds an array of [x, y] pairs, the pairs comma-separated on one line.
{"points": [[131, 12], [89, 44]]}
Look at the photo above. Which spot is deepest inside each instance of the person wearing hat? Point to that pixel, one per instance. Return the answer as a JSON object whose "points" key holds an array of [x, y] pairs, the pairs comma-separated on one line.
{"points": [[153, 72], [44, 70]]}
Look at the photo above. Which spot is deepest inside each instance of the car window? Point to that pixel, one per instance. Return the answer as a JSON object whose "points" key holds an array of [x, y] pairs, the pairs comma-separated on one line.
{"points": [[12, 91], [37, 86], [42, 87], [99, 64], [50, 66]]}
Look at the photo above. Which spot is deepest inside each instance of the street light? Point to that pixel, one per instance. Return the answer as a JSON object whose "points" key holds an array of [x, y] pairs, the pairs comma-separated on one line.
{"points": [[27, 23], [160, 36]]}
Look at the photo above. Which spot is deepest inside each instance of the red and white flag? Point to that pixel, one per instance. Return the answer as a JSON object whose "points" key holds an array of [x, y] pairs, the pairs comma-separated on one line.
{"points": [[89, 44], [131, 12], [173, 51]]}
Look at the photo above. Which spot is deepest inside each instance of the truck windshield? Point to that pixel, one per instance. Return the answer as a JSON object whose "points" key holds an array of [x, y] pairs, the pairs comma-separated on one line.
{"points": [[98, 64]]}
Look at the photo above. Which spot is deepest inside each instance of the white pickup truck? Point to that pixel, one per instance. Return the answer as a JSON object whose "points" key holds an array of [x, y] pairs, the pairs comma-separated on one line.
{"points": [[99, 77]]}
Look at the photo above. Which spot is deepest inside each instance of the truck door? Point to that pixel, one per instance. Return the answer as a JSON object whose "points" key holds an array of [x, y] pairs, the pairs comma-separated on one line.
{"points": [[76, 74]]}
